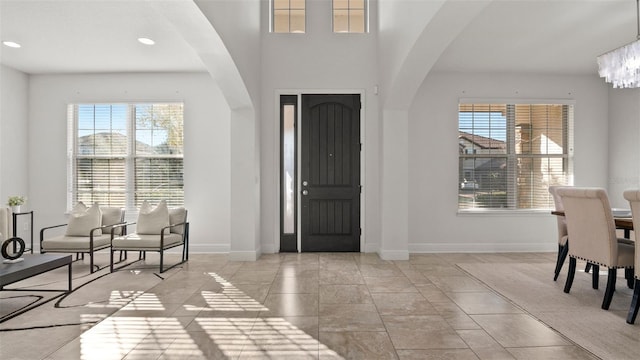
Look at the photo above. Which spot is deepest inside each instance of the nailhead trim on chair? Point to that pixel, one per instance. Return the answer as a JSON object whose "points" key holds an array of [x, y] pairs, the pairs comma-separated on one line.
{"points": [[599, 264]]}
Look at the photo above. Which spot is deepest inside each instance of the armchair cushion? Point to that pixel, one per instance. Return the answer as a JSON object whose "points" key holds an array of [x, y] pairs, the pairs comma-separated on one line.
{"points": [[152, 220], [139, 241], [75, 243], [83, 219]]}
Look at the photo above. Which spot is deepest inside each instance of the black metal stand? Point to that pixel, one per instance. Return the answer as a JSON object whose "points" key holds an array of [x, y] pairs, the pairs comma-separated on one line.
{"points": [[15, 226]]}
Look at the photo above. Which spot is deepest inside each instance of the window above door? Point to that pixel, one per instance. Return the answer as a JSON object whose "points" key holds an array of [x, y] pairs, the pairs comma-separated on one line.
{"points": [[347, 16]]}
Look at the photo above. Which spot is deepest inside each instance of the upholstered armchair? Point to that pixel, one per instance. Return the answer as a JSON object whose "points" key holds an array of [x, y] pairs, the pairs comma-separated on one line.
{"points": [[593, 237], [87, 231], [633, 196], [157, 229]]}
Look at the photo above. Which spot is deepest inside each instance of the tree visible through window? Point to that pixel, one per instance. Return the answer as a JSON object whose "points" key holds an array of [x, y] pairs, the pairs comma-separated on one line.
{"points": [[509, 154], [123, 154]]}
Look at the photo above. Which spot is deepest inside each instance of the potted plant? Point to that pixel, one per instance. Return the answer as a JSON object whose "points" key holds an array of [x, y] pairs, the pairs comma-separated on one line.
{"points": [[15, 202]]}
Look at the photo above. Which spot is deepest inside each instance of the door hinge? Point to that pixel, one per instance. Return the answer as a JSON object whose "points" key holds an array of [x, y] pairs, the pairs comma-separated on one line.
{"points": [[360, 231], [360, 189]]}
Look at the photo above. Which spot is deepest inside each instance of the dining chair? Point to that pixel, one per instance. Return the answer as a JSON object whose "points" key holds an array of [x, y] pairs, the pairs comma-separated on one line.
{"points": [[633, 196], [593, 237], [563, 234]]}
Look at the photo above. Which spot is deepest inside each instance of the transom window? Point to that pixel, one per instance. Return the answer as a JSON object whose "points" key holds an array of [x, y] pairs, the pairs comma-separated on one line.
{"points": [[123, 154], [288, 16], [509, 154], [349, 16]]}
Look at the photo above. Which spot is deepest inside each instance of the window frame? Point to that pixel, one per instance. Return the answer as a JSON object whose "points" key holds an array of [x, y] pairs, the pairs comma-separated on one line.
{"points": [[272, 17], [130, 157], [365, 17], [512, 156]]}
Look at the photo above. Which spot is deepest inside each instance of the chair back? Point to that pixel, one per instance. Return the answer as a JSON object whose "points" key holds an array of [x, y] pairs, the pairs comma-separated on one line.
{"points": [[6, 228], [633, 196], [110, 216], [591, 225], [562, 222], [177, 216]]}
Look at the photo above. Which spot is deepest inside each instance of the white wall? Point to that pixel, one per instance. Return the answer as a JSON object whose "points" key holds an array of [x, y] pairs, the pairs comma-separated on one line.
{"points": [[206, 153], [318, 61], [13, 134], [238, 23], [624, 146], [434, 224]]}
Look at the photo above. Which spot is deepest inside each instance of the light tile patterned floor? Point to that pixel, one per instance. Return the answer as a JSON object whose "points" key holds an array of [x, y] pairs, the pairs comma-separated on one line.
{"points": [[297, 306]]}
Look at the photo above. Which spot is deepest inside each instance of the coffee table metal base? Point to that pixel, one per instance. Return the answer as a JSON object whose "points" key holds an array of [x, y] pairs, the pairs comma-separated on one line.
{"points": [[31, 266]]}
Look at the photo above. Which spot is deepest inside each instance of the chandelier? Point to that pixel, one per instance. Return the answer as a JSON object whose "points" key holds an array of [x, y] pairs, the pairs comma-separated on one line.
{"points": [[621, 67]]}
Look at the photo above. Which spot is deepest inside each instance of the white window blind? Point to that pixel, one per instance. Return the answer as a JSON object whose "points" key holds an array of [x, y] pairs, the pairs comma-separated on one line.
{"points": [[509, 154], [123, 154]]}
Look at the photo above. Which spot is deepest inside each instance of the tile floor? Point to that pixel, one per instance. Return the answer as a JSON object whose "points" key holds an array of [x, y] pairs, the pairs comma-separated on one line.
{"points": [[297, 306]]}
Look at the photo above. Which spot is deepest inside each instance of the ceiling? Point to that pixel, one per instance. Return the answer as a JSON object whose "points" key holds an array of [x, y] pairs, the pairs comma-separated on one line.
{"points": [[91, 36], [543, 36], [97, 36]]}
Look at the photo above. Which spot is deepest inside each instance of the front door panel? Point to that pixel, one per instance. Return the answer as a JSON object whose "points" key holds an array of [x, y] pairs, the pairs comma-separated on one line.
{"points": [[330, 173]]}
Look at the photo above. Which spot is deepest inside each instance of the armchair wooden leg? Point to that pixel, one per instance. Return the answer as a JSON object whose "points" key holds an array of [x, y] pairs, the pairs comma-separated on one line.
{"points": [[111, 260], [570, 275], [635, 303], [611, 287], [587, 268], [595, 276]]}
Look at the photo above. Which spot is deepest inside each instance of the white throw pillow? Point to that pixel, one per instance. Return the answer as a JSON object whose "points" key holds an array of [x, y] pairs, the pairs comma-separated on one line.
{"points": [[152, 220], [83, 219]]}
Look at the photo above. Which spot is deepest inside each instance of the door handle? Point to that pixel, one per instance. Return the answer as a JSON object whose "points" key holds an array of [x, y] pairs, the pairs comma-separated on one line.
{"points": [[305, 192]]}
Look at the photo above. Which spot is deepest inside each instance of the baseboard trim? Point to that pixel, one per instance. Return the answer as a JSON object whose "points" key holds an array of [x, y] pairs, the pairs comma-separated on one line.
{"points": [[393, 254], [244, 255], [481, 247], [371, 248]]}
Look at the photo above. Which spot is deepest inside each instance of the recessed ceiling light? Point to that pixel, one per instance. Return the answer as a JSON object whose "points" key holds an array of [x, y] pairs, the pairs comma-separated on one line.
{"points": [[146, 41], [11, 44]]}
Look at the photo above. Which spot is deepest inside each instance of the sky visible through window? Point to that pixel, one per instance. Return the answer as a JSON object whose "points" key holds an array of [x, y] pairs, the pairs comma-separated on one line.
{"points": [[96, 119], [488, 124]]}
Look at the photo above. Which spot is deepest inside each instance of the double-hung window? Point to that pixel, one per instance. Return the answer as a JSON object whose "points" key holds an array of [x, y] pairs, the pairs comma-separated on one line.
{"points": [[123, 154], [509, 154]]}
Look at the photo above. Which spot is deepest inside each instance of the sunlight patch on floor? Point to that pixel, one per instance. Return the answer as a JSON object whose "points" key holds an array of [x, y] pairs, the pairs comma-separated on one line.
{"points": [[115, 337], [273, 337]]}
